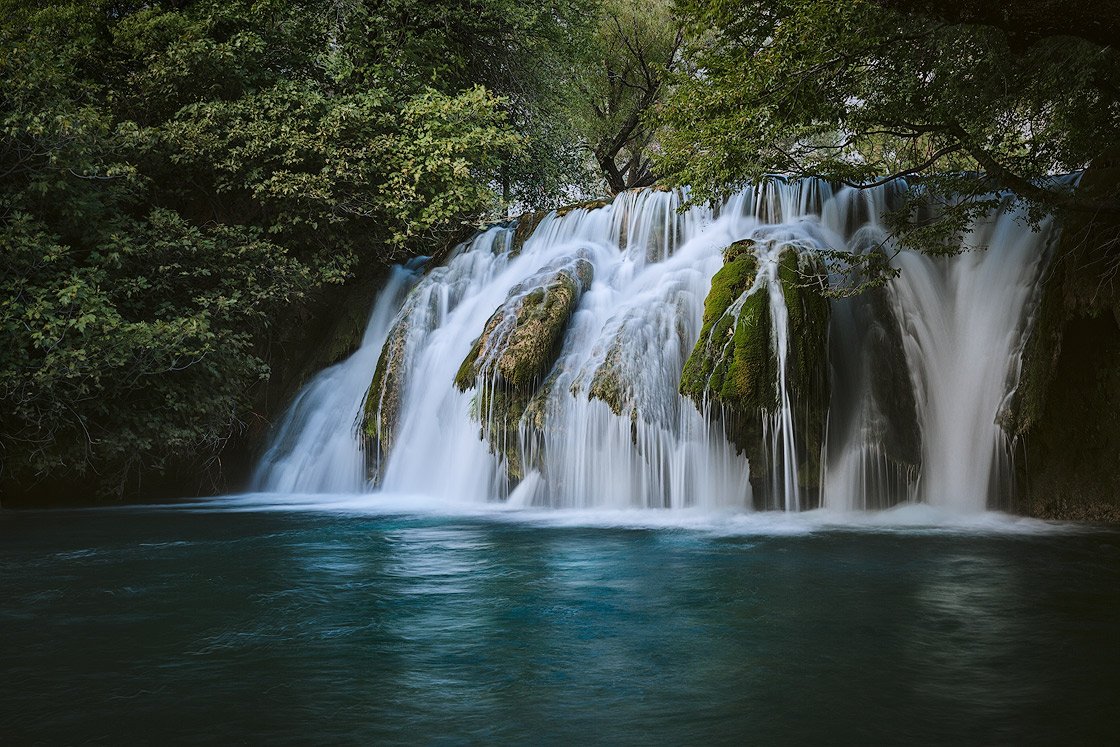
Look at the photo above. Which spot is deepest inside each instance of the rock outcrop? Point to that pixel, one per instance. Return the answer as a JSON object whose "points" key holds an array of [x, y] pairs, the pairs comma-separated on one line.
{"points": [[518, 346], [734, 368], [1063, 413]]}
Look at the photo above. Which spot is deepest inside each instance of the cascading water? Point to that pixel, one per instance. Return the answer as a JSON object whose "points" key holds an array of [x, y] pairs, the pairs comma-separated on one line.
{"points": [[316, 448], [546, 369], [962, 329]]}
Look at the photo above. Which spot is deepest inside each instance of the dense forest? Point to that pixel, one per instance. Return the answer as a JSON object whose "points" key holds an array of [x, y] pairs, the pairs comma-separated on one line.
{"points": [[186, 185]]}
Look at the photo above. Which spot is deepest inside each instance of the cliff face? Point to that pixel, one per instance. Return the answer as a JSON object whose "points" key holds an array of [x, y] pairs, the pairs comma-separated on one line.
{"points": [[1065, 416]]}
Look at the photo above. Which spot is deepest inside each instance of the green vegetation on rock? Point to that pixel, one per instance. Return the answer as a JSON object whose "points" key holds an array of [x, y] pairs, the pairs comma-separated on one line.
{"points": [[734, 363], [518, 346], [522, 337], [734, 366]]}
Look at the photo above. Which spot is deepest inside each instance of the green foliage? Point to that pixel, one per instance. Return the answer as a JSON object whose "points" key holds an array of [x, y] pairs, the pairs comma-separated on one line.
{"points": [[857, 93], [174, 175], [617, 84]]}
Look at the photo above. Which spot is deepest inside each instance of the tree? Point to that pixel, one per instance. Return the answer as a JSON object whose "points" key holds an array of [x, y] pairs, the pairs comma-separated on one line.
{"points": [[174, 175], [619, 82], [970, 98]]}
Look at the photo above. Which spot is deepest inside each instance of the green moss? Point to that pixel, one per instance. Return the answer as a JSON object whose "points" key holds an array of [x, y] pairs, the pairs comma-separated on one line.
{"points": [[733, 362], [468, 370], [518, 346], [734, 365]]}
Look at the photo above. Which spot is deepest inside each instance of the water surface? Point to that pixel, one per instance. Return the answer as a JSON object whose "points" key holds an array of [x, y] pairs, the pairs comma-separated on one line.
{"points": [[348, 626]]}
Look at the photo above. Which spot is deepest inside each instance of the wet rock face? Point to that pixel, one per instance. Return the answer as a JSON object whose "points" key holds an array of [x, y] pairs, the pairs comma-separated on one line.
{"points": [[892, 389], [803, 283], [518, 346], [1063, 410], [526, 225], [383, 401], [522, 338], [734, 367], [647, 346]]}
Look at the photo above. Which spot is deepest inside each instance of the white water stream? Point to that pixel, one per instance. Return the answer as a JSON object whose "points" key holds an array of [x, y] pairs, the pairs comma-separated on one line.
{"points": [[958, 320]]}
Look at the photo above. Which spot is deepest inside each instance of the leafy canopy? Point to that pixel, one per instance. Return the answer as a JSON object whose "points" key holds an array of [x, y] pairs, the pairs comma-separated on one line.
{"points": [[860, 92], [173, 175]]}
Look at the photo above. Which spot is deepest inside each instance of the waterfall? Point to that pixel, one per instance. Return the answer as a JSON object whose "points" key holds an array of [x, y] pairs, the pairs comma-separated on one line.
{"points": [[542, 365], [316, 448], [961, 319]]}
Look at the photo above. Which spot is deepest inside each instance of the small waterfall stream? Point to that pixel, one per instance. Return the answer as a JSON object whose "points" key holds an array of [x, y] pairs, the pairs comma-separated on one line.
{"points": [[919, 370], [317, 448]]}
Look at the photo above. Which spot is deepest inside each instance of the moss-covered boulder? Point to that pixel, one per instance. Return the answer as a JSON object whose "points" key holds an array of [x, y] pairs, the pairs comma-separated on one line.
{"points": [[522, 338], [734, 367], [518, 346]]}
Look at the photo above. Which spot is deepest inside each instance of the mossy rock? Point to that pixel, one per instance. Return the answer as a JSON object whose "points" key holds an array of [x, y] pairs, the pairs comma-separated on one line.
{"points": [[383, 400], [525, 226], [646, 342], [381, 409], [522, 338], [1074, 286], [499, 411], [518, 347], [609, 384], [734, 366]]}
